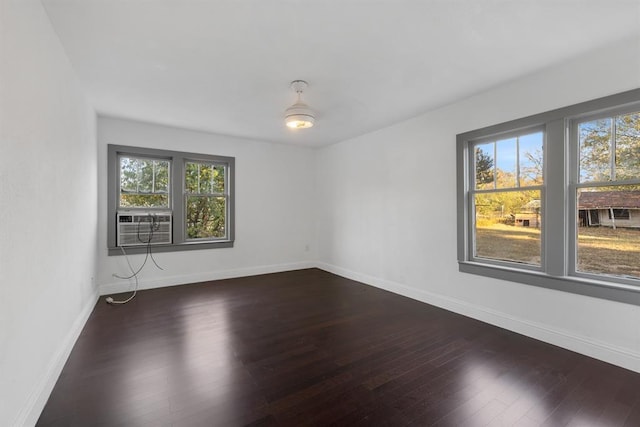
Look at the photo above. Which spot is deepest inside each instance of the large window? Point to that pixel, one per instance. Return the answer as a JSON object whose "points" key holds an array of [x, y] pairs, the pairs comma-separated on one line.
{"points": [[195, 191], [554, 199]]}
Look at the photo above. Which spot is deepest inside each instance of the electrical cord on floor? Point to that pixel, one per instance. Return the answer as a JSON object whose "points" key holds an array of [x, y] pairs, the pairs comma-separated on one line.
{"points": [[134, 273], [110, 300]]}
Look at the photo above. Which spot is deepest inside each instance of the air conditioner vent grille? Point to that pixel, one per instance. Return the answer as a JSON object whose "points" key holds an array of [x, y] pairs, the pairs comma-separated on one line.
{"points": [[142, 228]]}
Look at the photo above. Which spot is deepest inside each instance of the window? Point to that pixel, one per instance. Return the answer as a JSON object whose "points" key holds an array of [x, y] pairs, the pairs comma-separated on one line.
{"points": [[144, 183], [194, 190], [206, 200], [554, 199], [607, 184], [618, 213], [506, 198]]}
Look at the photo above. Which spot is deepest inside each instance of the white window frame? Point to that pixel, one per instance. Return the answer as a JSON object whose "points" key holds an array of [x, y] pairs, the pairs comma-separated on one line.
{"points": [[557, 269], [119, 189], [177, 198], [575, 185], [472, 191], [186, 195]]}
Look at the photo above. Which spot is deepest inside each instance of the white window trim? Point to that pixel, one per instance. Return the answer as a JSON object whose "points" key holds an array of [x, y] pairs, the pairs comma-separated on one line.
{"points": [[470, 193], [177, 201], [226, 195], [557, 271], [118, 189], [575, 185]]}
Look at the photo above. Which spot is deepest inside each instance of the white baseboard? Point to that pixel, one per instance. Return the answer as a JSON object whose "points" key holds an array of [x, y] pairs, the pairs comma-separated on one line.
{"points": [[127, 286], [623, 357], [30, 412]]}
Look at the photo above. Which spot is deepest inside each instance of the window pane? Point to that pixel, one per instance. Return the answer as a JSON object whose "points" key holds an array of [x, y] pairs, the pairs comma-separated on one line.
{"points": [[595, 150], [206, 217], [619, 213], [484, 166], [507, 226], [506, 163], [145, 176], [531, 159], [628, 146], [608, 230], [144, 201], [218, 179], [144, 183], [161, 180], [128, 174], [191, 177], [204, 178]]}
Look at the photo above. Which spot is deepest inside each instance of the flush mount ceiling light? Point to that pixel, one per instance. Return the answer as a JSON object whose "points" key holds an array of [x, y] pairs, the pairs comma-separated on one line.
{"points": [[299, 115]]}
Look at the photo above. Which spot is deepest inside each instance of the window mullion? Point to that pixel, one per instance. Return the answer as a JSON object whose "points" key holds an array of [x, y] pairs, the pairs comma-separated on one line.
{"points": [[138, 176], [153, 177], [178, 187], [554, 200], [612, 157], [518, 161], [495, 165]]}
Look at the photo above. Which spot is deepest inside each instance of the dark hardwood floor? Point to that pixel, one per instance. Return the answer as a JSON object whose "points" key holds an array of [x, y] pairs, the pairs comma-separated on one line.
{"points": [[307, 348]]}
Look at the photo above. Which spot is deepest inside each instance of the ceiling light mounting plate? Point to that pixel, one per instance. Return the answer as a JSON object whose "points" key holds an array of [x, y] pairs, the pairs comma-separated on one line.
{"points": [[299, 86]]}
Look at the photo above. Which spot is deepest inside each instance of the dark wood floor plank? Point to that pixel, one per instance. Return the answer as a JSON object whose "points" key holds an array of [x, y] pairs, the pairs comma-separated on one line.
{"points": [[308, 348]]}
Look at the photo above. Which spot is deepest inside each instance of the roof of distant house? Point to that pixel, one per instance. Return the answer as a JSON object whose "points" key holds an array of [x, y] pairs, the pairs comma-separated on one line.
{"points": [[609, 199]]}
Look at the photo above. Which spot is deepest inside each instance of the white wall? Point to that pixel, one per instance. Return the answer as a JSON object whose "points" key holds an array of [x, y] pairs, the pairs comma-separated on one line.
{"points": [[48, 223], [387, 211], [275, 193]]}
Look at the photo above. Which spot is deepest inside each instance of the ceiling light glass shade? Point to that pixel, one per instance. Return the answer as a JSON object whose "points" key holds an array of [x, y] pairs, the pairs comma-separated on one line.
{"points": [[299, 116]]}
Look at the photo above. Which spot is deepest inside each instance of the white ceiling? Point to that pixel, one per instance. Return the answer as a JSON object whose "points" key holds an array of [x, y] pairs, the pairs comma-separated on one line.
{"points": [[225, 65]]}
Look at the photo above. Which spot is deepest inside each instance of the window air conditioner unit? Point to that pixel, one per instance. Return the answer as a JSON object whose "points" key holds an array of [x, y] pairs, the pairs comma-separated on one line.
{"points": [[141, 228]]}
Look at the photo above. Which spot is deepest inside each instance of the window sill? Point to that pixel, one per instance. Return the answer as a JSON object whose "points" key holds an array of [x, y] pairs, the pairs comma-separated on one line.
{"points": [[612, 291], [176, 247]]}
